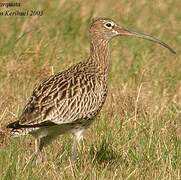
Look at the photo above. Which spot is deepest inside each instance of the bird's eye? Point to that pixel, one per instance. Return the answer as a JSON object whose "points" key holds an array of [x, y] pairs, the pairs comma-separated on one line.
{"points": [[108, 24]]}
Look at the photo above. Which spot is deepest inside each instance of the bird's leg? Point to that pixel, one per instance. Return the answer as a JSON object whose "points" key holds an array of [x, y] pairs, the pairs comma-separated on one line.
{"points": [[76, 139], [74, 149], [38, 150]]}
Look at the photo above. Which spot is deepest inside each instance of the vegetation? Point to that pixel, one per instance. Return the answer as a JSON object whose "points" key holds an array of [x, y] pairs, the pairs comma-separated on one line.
{"points": [[137, 135]]}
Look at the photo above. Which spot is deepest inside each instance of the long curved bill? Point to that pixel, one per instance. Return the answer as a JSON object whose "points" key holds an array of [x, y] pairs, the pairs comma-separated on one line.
{"points": [[125, 32]]}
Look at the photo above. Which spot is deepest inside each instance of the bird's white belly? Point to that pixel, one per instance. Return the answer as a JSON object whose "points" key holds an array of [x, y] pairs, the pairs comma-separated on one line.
{"points": [[53, 131]]}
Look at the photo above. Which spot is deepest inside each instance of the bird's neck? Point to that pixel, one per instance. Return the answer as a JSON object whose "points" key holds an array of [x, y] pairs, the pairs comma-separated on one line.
{"points": [[100, 55]]}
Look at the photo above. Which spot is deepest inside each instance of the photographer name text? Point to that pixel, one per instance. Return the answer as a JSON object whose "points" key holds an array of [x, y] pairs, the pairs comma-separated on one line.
{"points": [[21, 13]]}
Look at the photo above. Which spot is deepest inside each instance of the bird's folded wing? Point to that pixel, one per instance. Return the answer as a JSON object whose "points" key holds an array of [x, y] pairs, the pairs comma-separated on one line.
{"points": [[61, 99]]}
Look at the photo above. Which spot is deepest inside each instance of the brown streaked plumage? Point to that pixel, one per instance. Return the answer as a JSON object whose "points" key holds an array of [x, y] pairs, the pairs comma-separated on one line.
{"points": [[70, 100]]}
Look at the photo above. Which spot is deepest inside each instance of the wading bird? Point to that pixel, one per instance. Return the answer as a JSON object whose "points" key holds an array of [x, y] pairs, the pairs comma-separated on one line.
{"points": [[70, 100]]}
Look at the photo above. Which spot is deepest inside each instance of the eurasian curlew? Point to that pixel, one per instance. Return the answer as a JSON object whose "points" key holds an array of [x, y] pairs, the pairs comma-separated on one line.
{"points": [[70, 100]]}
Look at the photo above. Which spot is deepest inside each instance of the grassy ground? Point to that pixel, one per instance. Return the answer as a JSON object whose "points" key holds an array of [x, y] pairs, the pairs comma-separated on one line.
{"points": [[137, 135]]}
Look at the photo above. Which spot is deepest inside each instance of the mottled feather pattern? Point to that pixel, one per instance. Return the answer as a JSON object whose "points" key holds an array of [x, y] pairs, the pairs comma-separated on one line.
{"points": [[67, 97]]}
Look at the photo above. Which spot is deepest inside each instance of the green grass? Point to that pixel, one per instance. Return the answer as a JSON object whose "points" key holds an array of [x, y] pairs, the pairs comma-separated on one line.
{"points": [[137, 135]]}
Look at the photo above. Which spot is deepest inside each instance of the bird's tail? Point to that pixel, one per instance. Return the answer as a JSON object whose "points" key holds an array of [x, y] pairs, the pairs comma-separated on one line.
{"points": [[17, 130], [11, 130]]}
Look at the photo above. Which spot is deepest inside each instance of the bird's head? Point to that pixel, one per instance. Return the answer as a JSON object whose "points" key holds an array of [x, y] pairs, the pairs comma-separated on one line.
{"points": [[106, 29]]}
